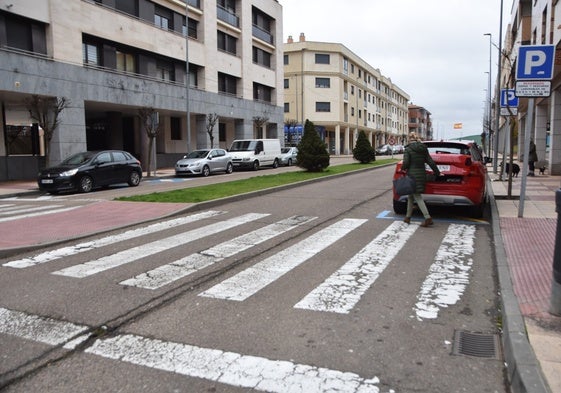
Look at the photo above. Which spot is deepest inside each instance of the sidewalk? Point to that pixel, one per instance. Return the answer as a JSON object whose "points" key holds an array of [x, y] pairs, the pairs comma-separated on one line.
{"points": [[524, 254]]}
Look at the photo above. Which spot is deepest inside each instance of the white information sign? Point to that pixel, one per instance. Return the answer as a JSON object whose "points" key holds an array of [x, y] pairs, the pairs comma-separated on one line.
{"points": [[533, 88]]}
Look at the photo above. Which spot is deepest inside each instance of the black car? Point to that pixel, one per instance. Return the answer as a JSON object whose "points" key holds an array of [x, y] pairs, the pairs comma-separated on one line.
{"points": [[91, 169]]}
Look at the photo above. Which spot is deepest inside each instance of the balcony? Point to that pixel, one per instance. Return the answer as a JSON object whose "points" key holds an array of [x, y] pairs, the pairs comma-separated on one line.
{"points": [[263, 35], [227, 16]]}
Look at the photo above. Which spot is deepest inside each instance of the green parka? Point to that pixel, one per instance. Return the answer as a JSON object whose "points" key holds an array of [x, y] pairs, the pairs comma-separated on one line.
{"points": [[414, 158]]}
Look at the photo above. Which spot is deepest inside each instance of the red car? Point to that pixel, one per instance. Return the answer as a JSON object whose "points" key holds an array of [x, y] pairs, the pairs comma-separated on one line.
{"points": [[462, 181]]}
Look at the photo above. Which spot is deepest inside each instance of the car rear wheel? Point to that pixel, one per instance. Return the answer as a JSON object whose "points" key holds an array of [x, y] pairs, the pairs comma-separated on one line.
{"points": [[399, 207], [134, 179], [276, 163], [85, 184], [229, 168], [206, 171]]}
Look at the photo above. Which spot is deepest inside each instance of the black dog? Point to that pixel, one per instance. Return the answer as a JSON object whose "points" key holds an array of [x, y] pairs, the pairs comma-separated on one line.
{"points": [[542, 170], [515, 169]]}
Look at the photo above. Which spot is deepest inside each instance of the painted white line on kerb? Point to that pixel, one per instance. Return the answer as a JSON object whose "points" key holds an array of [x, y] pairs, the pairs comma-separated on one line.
{"points": [[176, 270], [91, 245], [132, 254], [449, 274], [252, 372], [36, 328], [253, 279], [41, 213], [344, 288]]}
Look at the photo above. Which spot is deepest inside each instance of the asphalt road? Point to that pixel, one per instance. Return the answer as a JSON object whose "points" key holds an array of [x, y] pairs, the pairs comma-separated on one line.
{"points": [[312, 288]]}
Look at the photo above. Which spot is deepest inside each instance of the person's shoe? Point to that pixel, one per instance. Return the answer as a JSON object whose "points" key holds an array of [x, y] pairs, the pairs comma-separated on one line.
{"points": [[427, 222], [407, 220]]}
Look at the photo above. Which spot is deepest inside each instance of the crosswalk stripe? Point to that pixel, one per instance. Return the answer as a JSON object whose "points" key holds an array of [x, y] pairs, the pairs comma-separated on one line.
{"points": [[251, 372], [91, 245], [251, 280], [37, 328], [26, 209], [449, 274], [39, 213], [111, 261], [344, 288], [10, 206], [176, 270]]}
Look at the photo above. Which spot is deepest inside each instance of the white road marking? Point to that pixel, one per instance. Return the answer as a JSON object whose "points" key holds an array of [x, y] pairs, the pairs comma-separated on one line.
{"points": [[37, 328], [176, 270], [251, 280], [10, 206], [91, 245], [26, 209], [28, 215], [111, 261], [449, 274], [344, 288], [251, 372]]}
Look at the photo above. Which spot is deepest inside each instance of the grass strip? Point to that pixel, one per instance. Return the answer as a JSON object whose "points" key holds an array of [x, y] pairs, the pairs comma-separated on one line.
{"points": [[236, 187]]}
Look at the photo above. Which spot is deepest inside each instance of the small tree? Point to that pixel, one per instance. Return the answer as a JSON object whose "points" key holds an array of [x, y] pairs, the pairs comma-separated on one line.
{"points": [[312, 151], [149, 120], [363, 151], [211, 120], [45, 111], [259, 122]]}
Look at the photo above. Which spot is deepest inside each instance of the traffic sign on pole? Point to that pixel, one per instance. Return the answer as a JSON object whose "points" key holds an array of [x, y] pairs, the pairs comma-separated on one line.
{"points": [[535, 62]]}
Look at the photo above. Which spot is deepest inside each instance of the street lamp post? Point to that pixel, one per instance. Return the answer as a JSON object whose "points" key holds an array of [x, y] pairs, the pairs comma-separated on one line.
{"points": [[187, 76], [489, 96]]}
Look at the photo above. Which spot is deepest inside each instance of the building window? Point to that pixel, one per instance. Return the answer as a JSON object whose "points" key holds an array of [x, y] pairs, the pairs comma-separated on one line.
{"points": [[286, 107], [175, 128], [227, 84], [165, 71], [323, 82], [285, 59], [222, 132], [90, 54], [127, 6], [261, 57], [323, 107], [227, 43], [192, 29], [22, 33], [322, 58], [262, 92], [286, 83], [125, 62], [161, 21]]}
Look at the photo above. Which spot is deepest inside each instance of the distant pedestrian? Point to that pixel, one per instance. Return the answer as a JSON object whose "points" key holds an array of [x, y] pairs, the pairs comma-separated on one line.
{"points": [[532, 158], [415, 157]]}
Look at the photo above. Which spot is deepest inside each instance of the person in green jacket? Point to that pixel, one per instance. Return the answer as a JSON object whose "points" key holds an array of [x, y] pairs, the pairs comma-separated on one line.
{"points": [[415, 157]]}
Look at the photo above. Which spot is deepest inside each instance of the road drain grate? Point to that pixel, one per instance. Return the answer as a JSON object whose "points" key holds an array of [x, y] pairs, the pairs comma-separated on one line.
{"points": [[476, 344]]}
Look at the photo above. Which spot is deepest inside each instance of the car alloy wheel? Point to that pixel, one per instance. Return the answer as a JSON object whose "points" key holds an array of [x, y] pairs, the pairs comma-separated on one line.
{"points": [[86, 184], [134, 179], [206, 171]]}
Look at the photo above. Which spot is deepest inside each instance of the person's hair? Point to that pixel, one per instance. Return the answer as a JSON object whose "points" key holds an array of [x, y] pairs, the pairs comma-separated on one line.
{"points": [[413, 137]]}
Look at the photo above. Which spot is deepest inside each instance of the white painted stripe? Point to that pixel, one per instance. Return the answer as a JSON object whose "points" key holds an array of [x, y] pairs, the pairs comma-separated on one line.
{"points": [[27, 209], [249, 281], [19, 217], [132, 254], [91, 245], [449, 274], [251, 372], [176, 270], [41, 329], [344, 288], [11, 206]]}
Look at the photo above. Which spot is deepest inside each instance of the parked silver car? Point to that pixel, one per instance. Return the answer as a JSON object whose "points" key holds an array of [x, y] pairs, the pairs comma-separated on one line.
{"points": [[204, 162], [288, 155]]}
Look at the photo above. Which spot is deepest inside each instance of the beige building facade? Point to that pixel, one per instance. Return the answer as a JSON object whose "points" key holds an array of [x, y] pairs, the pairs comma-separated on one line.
{"points": [[341, 94], [110, 58]]}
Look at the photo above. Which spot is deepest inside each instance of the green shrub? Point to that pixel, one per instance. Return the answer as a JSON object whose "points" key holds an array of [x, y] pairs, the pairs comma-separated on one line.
{"points": [[312, 151], [363, 150]]}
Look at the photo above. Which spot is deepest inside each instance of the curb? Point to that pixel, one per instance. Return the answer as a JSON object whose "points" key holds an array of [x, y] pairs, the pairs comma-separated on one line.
{"points": [[523, 369]]}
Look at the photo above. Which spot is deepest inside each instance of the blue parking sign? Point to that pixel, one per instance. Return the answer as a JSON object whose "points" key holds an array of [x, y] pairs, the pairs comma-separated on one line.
{"points": [[508, 98], [535, 62]]}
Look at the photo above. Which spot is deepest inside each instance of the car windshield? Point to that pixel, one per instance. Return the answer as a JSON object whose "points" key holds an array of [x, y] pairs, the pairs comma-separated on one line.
{"points": [[78, 159], [197, 154], [285, 149], [243, 146]]}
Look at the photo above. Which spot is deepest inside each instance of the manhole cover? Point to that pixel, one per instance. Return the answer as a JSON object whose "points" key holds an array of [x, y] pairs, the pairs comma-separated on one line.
{"points": [[476, 344]]}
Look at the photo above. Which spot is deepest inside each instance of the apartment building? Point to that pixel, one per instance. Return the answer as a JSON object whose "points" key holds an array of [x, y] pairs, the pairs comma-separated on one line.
{"points": [[532, 22], [420, 122], [110, 58], [341, 94]]}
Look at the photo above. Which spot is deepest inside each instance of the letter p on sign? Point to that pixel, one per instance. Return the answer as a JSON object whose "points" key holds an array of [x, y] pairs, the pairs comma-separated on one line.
{"points": [[535, 62]]}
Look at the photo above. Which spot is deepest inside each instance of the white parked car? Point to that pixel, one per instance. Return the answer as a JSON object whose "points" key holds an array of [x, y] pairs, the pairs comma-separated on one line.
{"points": [[288, 155], [204, 162]]}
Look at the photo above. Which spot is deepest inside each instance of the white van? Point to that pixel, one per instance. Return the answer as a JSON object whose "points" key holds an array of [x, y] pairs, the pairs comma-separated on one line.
{"points": [[255, 153]]}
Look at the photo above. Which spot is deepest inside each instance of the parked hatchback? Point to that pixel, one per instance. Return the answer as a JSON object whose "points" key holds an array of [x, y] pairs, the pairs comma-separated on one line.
{"points": [[204, 162], [288, 155], [91, 169], [462, 181], [383, 150]]}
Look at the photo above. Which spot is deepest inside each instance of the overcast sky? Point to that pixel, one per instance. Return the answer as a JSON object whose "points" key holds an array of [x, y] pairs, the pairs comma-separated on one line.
{"points": [[434, 50]]}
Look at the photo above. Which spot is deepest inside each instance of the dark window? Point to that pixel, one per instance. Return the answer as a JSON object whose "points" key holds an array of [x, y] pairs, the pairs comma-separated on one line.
{"points": [[323, 82], [285, 59], [192, 29], [90, 54], [126, 62], [226, 42], [165, 71], [229, 5], [175, 128], [127, 6], [261, 19], [261, 57], [323, 107], [25, 34], [286, 107], [322, 58], [286, 83], [227, 83], [222, 132], [261, 92]]}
